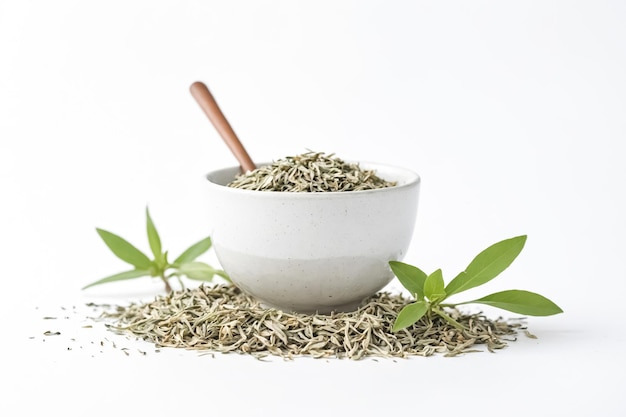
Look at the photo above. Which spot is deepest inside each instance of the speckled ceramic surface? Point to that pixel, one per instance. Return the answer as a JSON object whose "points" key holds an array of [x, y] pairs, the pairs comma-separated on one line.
{"points": [[312, 252]]}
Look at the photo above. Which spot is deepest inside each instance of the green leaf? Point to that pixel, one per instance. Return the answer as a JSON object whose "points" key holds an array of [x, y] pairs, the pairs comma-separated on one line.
{"points": [[409, 315], [223, 274], [197, 270], [153, 238], [124, 250], [434, 287], [193, 252], [487, 265], [411, 277], [448, 318], [135, 273], [521, 302]]}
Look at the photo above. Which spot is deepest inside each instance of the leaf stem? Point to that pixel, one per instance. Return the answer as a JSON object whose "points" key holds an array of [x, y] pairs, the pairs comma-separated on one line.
{"points": [[447, 318], [180, 281], [168, 287]]}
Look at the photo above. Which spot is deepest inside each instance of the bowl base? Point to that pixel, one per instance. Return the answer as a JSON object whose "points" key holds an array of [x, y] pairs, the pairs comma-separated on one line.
{"points": [[344, 308]]}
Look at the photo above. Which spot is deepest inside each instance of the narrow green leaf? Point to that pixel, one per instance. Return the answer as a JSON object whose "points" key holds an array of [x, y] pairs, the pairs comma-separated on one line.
{"points": [[223, 274], [409, 315], [153, 238], [197, 270], [411, 277], [434, 287], [487, 265], [135, 273], [521, 302], [193, 251], [448, 318], [124, 250]]}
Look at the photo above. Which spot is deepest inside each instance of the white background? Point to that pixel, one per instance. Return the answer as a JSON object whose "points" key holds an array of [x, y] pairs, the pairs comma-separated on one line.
{"points": [[513, 113]]}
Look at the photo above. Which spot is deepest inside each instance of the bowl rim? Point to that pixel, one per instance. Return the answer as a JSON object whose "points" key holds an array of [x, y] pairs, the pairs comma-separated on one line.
{"points": [[413, 179]]}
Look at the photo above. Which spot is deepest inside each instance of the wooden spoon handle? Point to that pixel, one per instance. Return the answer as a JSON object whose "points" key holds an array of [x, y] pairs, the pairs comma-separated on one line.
{"points": [[205, 99]]}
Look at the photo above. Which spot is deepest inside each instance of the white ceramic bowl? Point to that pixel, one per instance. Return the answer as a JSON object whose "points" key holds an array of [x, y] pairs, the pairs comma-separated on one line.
{"points": [[312, 252]]}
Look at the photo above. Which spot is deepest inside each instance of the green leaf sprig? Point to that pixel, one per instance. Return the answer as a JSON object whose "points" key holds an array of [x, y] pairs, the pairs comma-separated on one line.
{"points": [[185, 265], [430, 291]]}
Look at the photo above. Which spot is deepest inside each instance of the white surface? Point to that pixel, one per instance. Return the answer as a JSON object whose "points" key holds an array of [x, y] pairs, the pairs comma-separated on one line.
{"points": [[511, 112]]}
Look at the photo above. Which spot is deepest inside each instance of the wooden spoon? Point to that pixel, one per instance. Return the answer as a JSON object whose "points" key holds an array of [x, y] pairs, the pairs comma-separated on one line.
{"points": [[205, 99]]}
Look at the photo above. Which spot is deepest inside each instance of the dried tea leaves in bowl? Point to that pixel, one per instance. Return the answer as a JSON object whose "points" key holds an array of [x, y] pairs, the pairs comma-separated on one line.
{"points": [[221, 318], [310, 172]]}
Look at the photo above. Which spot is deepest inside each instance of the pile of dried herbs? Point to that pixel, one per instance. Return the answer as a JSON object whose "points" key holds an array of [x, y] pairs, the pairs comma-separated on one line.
{"points": [[220, 318], [310, 172]]}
